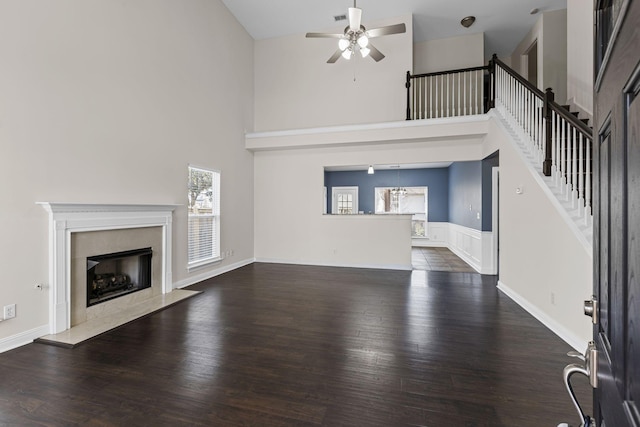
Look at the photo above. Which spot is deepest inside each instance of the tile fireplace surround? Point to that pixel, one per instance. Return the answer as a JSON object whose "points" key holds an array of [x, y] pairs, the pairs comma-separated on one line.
{"points": [[68, 218]]}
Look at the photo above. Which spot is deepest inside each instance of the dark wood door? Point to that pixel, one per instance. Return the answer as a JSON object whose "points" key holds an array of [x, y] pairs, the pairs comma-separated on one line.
{"points": [[617, 213]]}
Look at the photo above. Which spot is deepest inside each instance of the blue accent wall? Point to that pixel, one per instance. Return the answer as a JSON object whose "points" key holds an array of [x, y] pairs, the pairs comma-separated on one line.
{"points": [[465, 194], [437, 179], [452, 190]]}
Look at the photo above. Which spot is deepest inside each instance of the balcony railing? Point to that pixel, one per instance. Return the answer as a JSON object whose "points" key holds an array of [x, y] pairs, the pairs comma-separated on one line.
{"points": [[557, 140], [446, 93]]}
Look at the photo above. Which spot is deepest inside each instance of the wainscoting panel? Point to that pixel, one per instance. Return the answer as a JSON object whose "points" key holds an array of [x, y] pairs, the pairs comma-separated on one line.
{"points": [[466, 243], [437, 235], [475, 247]]}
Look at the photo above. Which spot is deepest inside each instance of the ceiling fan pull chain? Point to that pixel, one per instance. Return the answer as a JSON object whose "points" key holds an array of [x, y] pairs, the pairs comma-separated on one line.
{"points": [[355, 66]]}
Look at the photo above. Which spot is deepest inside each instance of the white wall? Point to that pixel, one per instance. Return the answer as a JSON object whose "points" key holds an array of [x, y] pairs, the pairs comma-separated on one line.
{"points": [[296, 88], [580, 56], [448, 54], [550, 30], [554, 53], [542, 264], [289, 181], [518, 63], [108, 102]]}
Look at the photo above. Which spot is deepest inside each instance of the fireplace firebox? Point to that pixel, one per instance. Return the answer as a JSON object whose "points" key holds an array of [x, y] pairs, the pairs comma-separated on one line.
{"points": [[113, 275]]}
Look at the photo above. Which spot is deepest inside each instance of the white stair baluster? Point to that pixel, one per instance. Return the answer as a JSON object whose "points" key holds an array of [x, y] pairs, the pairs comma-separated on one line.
{"points": [[464, 91], [587, 186], [574, 167], [563, 155], [438, 104], [580, 179], [459, 86]]}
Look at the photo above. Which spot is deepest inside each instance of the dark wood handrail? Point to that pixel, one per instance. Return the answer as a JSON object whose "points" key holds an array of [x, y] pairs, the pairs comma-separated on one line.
{"points": [[559, 109], [518, 77], [440, 73], [410, 77], [542, 131], [566, 114]]}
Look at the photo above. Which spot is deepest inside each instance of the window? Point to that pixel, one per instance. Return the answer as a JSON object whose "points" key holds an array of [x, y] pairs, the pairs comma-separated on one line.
{"points": [[204, 216], [345, 200], [608, 20], [409, 200]]}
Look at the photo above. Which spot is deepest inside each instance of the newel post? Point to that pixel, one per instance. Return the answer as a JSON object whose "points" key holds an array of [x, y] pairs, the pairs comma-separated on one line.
{"points": [[408, 86], [548, 135], [492, 81]]}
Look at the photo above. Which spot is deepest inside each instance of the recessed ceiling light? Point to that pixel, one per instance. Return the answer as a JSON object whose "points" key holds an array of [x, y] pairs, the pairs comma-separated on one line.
{"points": [[468, 21]]}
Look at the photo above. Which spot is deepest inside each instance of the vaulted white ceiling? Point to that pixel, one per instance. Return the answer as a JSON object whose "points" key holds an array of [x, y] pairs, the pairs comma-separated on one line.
{"points": [[504, 22]]}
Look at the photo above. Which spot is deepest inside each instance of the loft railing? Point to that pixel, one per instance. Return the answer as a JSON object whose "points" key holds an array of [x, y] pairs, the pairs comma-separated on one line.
{"points": [[557, 140], [446, 93]]}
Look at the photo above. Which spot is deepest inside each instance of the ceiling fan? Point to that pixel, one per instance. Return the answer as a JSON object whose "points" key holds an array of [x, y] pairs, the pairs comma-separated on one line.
{"points": [[356, 37]]}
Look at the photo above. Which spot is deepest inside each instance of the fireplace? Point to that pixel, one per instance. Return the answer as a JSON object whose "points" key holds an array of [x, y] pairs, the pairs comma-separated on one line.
{"points": [[80, 231], [117, 274]]}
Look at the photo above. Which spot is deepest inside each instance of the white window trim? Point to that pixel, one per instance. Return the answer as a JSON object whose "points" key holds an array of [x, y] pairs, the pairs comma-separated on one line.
{"points": [[334, 198], [216, 259]]}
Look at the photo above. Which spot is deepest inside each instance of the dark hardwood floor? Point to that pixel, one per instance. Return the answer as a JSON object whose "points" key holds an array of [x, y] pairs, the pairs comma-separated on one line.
{"points": [[280, 345]]}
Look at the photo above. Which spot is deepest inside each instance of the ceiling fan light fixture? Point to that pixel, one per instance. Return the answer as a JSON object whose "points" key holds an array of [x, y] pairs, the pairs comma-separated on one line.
{"points": [[355, 17], [363, 41], [355, 37]]}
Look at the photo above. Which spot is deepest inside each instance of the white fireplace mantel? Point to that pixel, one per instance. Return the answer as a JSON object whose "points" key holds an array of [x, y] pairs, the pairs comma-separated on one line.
{"points": [[67, 218]]}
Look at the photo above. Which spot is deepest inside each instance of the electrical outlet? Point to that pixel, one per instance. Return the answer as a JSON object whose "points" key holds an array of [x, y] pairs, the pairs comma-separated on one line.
{"points": [[9, 311]]}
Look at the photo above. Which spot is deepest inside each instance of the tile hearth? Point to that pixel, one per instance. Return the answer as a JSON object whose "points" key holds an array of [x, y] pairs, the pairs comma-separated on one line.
{"points": [[91, 328]]}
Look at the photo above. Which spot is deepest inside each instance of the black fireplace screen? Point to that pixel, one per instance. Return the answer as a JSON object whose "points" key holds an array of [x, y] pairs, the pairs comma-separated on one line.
{"points": [[113, 275]]}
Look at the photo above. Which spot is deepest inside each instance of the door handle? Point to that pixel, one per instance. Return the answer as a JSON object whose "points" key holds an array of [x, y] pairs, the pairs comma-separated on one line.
{"points": [[587, 368], [591, 309]]}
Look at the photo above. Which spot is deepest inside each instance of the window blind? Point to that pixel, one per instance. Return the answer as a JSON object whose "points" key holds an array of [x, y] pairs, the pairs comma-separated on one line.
{"points": [[204, 215]]}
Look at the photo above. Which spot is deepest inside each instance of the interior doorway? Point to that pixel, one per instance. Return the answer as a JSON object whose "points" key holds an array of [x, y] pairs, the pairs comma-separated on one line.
{"points": [[531, 57]]}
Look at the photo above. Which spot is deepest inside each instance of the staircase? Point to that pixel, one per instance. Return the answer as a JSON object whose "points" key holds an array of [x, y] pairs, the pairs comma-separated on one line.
{"points": [[555, 142], [578, 222]]}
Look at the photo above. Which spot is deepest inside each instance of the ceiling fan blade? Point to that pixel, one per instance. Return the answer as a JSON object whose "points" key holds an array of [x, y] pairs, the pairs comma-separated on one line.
{"points": [[385, 31], [375, 53], [335, 57], [355, 18], [324, 35]]}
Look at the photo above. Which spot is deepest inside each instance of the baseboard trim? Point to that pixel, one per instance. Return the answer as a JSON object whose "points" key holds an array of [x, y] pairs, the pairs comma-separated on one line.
{"points": [[23, 338], [346, 265], [567, 336], [192, 280]]}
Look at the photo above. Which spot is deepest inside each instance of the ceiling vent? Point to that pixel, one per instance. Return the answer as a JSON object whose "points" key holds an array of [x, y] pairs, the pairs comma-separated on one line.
{"points": [[338, 18]]}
